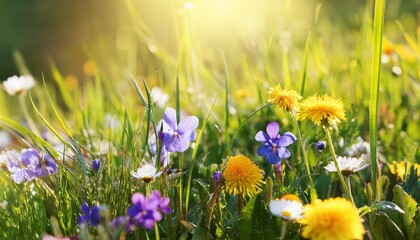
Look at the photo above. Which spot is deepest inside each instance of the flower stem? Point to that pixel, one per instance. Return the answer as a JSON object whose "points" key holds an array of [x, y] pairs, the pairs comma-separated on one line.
{"points": [[305, 157], [348, 180], [213, 199], [340, 176], [157, 231], [283, 229]]}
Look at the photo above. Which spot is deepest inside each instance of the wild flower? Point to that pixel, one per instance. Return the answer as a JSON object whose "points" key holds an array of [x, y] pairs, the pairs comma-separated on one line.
{"points": [[91, 215], [347, 165], [159, 96], [29, 164], [146, 210], [217, 176], [122, 221], [18, 85], [242, 176], [176, 138], [5, 139], [284, 98], [146, 173], [330, 219], [323, 110], [165, 157], [96, 163], [401, 169], [274, 145], [288, 207], [320, 146], [358, 149]]}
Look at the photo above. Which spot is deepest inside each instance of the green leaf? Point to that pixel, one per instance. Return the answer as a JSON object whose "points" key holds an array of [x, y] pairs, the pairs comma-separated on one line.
{"points": [[383, 228], [256, 221], [385, 205], [245, 225], [201, 233], [409, 205]]}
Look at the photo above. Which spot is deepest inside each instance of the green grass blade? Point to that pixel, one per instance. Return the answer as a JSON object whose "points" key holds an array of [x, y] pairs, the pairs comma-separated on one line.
{"points": [[226, 96], [26, 133], [52, 129], [143, 100], [378, 23], [305, 64], [243, 123], [178, 107], [57, 115], [194, 154], [65, 93]]}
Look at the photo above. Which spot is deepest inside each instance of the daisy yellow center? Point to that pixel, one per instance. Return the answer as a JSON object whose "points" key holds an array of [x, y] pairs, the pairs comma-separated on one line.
{"points": [[242, 176], [332, 219], [284, 98], [286, 214]]}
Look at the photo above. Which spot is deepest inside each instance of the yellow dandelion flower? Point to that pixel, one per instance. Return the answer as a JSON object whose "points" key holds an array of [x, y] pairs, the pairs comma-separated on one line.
{"points": [[242, 176], [387, 47], [284, 98], [242, 93], [323, 110], [89, 68], [334, 218], [400, 169], [72, 82]]}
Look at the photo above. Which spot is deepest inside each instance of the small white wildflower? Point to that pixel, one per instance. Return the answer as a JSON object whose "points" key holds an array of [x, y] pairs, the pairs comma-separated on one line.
{"points": [[358, 149], [348, 165], [4, 204], [5, 139], [159, 97], [287, 209], [18, 85], [146, 173], [112, 122]]}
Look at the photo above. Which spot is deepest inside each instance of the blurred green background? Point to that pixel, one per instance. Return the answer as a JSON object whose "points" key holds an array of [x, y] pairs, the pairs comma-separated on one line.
{"points": [[65, 31]]}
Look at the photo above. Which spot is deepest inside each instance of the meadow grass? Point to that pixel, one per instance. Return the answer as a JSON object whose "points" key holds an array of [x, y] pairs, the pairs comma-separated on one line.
{"points": [[114, 115]]}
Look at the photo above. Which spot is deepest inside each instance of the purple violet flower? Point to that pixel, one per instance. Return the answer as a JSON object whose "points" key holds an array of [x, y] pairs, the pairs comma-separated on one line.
{"points": [[91, 216], [29, 164], [147, 210], [96, 164], [122, 221], [320, 146], [216, 176], [274, 145], [176, 138]]}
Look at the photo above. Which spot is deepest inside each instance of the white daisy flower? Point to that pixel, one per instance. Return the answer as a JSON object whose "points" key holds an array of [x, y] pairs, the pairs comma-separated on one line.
{"points": [[146, 173], [18, 85], [288, 208], [347, 165]]}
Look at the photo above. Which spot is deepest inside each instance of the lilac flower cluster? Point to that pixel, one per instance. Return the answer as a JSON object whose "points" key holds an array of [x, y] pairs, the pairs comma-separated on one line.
{"points": [[91, 216], [146, 210], [29, 164], [274, 145]]}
